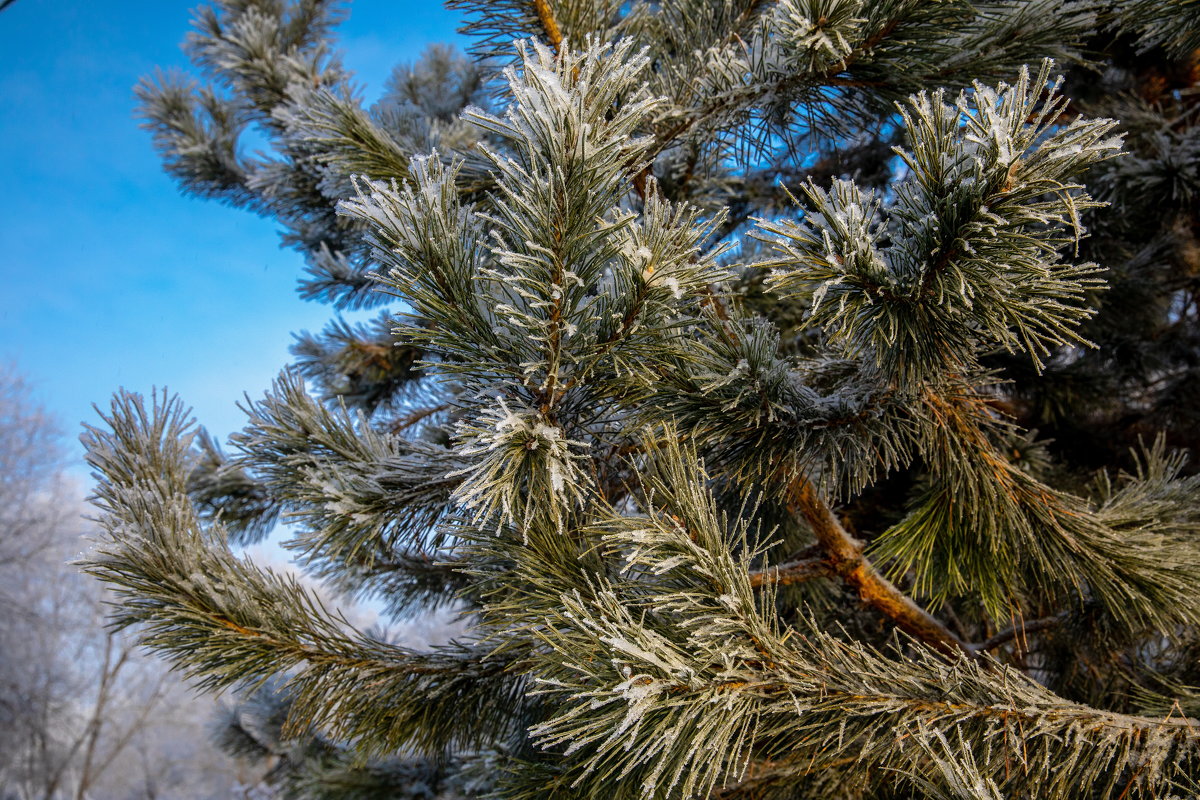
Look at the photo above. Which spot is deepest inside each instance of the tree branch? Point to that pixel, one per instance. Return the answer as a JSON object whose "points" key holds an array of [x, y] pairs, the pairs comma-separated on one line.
{"points": [[1019, 632], [416, 416], [794, 572], [828, 77], [545, 16], [846, 559]]}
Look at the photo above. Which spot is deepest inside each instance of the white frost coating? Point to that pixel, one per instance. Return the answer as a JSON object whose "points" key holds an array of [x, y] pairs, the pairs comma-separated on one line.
{"points": [[714, 381], [641, 692], [506, 421], [994, 124], [636, 651], [505, 439], [340, 502], [828, 38]]}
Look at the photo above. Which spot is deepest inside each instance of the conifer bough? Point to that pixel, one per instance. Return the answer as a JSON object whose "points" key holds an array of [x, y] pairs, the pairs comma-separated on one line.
{"points": [[724, 477]]}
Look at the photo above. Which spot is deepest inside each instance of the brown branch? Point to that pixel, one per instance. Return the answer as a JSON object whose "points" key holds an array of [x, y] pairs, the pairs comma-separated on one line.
{"points": [[794, 572], [1019, 632], [416, 416], [550, 395], [640, 180], [844, 554], [762, 773], [545, 16]]}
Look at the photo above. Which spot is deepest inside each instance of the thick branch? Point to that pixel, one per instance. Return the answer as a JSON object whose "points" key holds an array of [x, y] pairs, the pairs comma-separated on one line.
{"points": [[545, 16], [846, 559], [794, 572]]}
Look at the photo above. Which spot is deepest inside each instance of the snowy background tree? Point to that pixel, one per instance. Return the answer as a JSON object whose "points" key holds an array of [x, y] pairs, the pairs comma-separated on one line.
{"points": [[767, 385], [83, 714]]}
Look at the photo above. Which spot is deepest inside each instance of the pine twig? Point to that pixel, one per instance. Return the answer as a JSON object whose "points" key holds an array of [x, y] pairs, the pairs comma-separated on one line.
{"points": [[1020, 631], [794, 572], [416, 416]]}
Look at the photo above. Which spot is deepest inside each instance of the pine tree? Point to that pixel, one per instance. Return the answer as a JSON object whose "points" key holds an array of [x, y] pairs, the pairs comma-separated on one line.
{"points": [[724, 346]]}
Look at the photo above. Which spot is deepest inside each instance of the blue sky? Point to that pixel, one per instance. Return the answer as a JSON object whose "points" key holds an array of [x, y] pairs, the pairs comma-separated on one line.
{"points": [[110, 276]]}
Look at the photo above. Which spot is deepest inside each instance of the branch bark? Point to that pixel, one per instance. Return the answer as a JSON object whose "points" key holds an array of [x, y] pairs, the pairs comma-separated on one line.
{"points": [[545, 16], [844, 554], [416, 416], [1019, 632], [794, 572]]}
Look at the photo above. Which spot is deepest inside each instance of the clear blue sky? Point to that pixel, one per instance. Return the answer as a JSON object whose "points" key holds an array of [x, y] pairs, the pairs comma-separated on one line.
{"points": [[111, 277]]}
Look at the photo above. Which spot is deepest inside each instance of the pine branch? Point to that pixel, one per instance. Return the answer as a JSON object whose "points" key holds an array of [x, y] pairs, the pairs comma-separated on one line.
{"points": [[593, 348], [228, 623], [349, 482], [226, 494], [845, 555], [1128, 553], [415, 416], [791, 572], [1019, 632], [545, 15], [976, 233], [763, 417], [366, 367], [687, 631]]}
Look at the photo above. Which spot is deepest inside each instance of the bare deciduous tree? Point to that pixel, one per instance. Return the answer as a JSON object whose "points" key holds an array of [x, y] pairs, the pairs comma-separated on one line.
{"points": [[82, 715]]}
